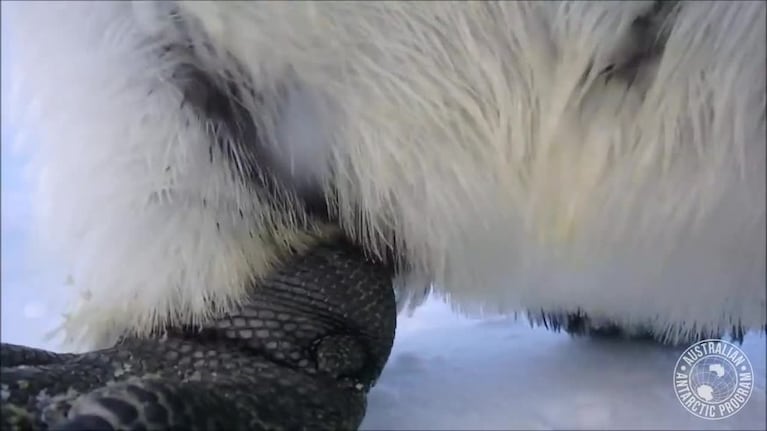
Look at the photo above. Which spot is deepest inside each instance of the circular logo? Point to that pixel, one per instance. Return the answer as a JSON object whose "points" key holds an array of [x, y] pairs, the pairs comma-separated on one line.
{"points": [[713, 379]]}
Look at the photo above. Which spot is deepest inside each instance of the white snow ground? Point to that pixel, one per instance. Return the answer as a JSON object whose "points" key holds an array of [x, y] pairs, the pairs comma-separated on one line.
{"points": [[450, 372]]}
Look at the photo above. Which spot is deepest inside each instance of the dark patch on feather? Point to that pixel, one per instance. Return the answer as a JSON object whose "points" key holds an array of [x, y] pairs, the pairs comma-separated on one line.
{"points": [[235, 135], [578, 323], [644, 44]]}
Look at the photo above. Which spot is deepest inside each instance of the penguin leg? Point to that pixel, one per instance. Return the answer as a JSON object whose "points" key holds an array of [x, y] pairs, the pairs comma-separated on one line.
{"points": [[301, 352]]}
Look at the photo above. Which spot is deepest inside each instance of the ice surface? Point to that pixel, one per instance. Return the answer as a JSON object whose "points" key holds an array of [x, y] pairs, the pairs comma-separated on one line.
{"points": [[449, 372]]}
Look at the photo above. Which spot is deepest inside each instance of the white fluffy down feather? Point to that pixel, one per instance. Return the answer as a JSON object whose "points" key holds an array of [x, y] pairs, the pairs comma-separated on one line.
{"points": [[478, 138]]}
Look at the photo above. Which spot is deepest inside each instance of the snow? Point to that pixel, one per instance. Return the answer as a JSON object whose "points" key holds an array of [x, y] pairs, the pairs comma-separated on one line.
{"points": [[450, 372]]}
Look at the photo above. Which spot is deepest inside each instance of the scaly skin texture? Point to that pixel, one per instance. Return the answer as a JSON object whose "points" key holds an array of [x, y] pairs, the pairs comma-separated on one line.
{"points": [[300, 353]]}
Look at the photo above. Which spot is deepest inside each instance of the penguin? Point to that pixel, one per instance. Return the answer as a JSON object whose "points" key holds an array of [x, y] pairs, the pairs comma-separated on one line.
{"points": [[592, 164]]}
